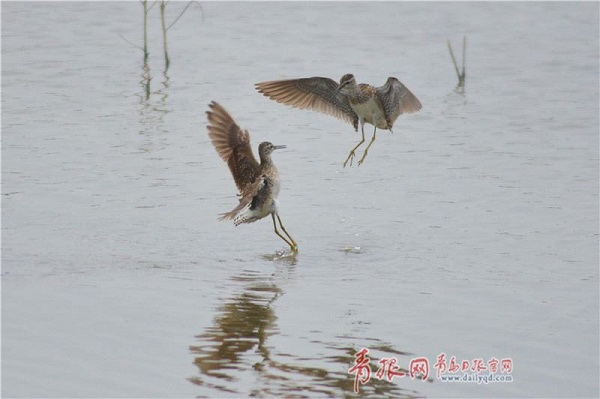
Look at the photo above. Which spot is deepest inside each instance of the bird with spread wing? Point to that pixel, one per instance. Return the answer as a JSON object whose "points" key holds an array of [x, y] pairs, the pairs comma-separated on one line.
{"points": [[348, 101], [258, 183]]}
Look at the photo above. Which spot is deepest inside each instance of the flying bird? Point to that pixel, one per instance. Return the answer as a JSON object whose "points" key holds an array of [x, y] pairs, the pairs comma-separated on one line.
{"points": [[348, 101], [258, 183]]}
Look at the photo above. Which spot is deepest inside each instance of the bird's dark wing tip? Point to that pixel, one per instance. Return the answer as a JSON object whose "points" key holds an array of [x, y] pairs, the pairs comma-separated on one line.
{"points": [[213, 105]]}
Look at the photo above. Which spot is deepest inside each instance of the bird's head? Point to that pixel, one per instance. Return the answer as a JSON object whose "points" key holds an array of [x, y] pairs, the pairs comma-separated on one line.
{"points": [[266, 148], [346, 82]]}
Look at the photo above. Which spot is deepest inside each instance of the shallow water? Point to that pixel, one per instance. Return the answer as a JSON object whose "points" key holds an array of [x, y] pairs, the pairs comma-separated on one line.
{"points": [[471, 231]]}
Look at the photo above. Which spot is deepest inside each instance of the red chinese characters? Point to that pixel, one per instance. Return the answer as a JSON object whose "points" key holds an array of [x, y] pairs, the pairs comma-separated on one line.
{"points": [[388, 369], [478, 365], [507, 365], [440, 365], [464, 365], [419, 366], [361, 368], [493, 365], [453, 367], [472, 370]]}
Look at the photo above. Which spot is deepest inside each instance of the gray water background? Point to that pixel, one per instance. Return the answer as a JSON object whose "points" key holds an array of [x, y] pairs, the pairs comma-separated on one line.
{"points": [[471, 231]]}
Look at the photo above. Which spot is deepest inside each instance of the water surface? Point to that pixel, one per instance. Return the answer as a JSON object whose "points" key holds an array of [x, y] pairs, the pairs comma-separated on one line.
{"points": [[472, 231]]}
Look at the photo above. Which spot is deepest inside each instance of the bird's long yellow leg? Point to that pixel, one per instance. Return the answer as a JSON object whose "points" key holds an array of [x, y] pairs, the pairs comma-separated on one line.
{"points": [[351, 155], [369, 146], [294, 245]]}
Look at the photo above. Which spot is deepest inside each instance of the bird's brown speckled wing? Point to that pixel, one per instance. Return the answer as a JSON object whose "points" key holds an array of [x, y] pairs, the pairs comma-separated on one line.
{"points": [[316, 93], [252, 192], [233, 146], [397, 99]]}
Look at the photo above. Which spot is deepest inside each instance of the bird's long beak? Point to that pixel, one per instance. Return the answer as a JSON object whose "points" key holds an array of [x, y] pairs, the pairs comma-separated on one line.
{"points": [[279, 147]]}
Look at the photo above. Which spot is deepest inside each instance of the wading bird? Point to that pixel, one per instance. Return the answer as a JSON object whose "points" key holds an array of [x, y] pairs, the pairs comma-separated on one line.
{"points": [[379, 106], [258, 183]]}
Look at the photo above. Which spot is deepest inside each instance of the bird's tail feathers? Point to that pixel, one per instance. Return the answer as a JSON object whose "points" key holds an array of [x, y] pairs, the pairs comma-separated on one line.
{"points": [[227, 215], [240, 214]]}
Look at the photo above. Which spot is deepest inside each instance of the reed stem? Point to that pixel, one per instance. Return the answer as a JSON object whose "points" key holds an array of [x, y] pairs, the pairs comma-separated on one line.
{"points": [[461, 75], [163, 4]]}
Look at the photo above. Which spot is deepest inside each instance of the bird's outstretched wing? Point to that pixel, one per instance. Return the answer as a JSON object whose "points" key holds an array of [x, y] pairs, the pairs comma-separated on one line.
{"points": [[233, 146], [316, 93], [397, 99]]}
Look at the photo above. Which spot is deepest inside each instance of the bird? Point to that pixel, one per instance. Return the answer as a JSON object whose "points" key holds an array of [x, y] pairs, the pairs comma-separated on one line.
{"points": [[346, 100], [258, 183]]}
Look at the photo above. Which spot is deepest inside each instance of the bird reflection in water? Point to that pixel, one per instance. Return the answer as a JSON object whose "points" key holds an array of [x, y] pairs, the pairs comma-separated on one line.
{"points": [[240, 330], [235, 355]]}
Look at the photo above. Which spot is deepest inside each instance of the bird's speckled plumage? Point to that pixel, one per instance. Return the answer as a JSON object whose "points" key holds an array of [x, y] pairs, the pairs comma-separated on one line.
{"points": [[346, 100], [258, 183]]}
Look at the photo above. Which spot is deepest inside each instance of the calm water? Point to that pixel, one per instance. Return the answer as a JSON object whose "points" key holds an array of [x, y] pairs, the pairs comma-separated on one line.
{"points": [[472, 231]]}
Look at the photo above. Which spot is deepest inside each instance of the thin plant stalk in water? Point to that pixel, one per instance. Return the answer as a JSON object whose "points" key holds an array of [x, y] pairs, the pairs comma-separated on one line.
{"points": [[461, 75], [163, 4], [165, 28], [146, 10]]}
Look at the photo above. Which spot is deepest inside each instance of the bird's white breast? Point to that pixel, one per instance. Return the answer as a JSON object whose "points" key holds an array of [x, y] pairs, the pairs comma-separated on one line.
{"points": [[370, 112]]}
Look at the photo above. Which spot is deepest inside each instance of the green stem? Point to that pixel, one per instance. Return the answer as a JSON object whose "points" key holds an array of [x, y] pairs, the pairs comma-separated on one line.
{"points": [[145, 2], [163, 4], [461, 76]]}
